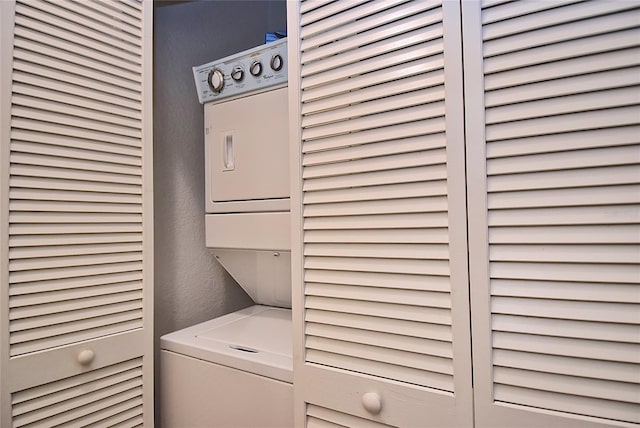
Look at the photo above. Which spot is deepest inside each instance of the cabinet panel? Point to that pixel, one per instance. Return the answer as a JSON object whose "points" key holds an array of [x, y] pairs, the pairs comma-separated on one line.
{"points": [[76, 80], [554, 279], [378, 143]]}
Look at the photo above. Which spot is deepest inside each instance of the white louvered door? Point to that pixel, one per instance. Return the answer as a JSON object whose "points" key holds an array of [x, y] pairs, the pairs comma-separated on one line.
{"points": [[553, 156], [77, 343], [379, 215]]}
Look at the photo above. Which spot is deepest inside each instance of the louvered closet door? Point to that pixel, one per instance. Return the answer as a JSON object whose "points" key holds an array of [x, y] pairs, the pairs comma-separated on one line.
{"points": [[380, 292], [553, 91], [77, 174]]}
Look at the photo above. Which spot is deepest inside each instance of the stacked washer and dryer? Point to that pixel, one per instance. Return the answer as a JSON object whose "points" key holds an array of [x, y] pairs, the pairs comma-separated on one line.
{"points": [[236, 370]]}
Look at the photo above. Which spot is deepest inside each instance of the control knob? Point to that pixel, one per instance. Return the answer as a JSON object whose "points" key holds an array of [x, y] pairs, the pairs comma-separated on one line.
{"points": [[216, 80], [237, 73], [277, 62], [256, 68]]}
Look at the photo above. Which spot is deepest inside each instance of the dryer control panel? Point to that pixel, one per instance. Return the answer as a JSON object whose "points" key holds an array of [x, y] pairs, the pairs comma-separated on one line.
{"points": [[261, 68]]}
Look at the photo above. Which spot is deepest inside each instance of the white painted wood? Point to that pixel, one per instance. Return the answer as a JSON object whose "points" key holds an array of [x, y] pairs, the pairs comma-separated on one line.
{"points": [[7, 16], [380, 266], [323, 417], [321, 27], [551, 107], [76, 246]]}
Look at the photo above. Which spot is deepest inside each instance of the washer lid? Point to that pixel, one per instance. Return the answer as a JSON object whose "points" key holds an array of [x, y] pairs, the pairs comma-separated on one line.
{"points": [[267, 331], [256, 339]]}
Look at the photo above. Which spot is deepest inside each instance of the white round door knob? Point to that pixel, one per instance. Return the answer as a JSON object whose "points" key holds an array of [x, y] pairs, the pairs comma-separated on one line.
{"points": [[372, 402], [86, 356]]}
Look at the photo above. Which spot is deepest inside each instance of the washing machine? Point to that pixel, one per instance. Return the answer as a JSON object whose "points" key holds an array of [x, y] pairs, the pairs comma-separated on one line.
{"points": [[237, 370]]}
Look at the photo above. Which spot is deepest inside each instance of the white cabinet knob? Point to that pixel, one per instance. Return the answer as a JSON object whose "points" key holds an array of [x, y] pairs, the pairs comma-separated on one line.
{"points": [[372, 403], [86, 356]]}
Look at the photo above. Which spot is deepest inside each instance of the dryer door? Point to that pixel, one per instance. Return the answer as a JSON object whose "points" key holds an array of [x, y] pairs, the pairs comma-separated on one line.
{"points": [[246, 149]]}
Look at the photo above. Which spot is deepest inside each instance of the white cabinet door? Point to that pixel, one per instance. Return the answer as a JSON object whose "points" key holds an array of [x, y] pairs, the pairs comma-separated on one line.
{"points": [[76, 213], [553, 114], [380, 283]]}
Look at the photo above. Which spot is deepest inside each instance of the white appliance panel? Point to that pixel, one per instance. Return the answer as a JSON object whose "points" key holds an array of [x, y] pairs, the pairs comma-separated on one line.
{"points": [[229, 340], [200, 394], [246, 150]]}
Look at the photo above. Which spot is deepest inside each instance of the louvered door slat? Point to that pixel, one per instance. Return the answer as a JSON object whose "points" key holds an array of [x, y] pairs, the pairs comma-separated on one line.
{"points": [[417, 251], [427, 129], [552, 17], [77, 312], [510, 10], [69, 11], [565, 328], [60, 102], [585, 139], [101, 380], [557, 309], [587, 351], [316, 70], [95, 411], [398, 27], [376, 178], [567, 86], [399, 191], [70, 398], [23, 241], [58, 39], [322, 417], [43, 111], [90, 43], [363, 322], [73, 293], [581, 65], [391, 102], [408, 297], [109, 16], [23, 123], [572, 178], [81, 330], [390, 64], [622, 372], [101, 150], [126, 419], [52, 22], [435, 235], [362, 363], [614, 411], [40, 183], [127, 14], [73, 283], [320, 28], [81, 179], [80, 108], [587, 291], [56, 195], [406, 343], [47, 73], [67, 158], [390, 280], [550, 34], [390, 161], [561, 51], [27, 142], [48, 49]]}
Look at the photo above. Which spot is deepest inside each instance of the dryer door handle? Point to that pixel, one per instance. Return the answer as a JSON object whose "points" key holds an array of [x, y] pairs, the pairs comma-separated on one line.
{"points": [[227, 152]]}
